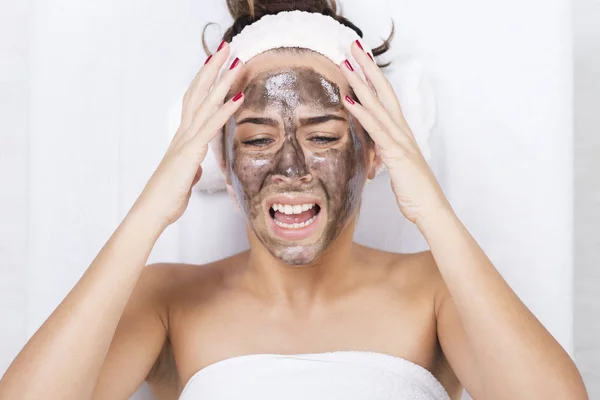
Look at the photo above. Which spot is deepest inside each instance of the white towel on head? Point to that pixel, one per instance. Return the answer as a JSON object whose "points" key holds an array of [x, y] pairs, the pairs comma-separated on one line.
{"points": [[346, 375]]}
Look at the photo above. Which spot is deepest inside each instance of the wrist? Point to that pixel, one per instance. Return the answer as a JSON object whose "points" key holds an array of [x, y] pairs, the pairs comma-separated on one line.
{"points": [[146, 218], [131, 243], [436, 218]]}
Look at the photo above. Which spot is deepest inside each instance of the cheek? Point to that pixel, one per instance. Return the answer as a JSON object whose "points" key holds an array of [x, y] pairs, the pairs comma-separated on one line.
{"points": [[340, 170], [247, 171], [251, 170], [342, 173], [329, 167]]}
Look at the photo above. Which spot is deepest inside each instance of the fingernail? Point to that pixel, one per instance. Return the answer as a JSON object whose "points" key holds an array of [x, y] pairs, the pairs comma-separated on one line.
{"points": [[235, 63], [208, 59], [360, 45], [349, 99], [237, 96], [221, 45], [371, 57], [349, 65]]}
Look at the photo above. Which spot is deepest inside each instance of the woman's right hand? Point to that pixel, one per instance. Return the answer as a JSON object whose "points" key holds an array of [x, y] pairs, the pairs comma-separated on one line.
{"points": [[167, 193], [92, 325]]}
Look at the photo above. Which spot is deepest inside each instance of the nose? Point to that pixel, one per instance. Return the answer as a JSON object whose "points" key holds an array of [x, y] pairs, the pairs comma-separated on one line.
{"points": [[292, 164], [292, 178]]}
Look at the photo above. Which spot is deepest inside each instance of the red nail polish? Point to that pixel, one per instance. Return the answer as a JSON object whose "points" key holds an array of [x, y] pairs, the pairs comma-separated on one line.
{"points": [[235, 63], [208, 59], [371, 57], [360, 45], [237, 96], [221, 45], [349, 65], [349, 99]]}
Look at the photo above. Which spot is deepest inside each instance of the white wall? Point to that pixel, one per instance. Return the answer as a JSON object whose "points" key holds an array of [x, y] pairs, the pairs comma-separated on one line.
{"points": [[586, 23], [15, 22], [85, 99]]}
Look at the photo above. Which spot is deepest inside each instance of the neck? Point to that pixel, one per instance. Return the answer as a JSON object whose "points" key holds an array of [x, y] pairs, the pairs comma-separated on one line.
{"points": [[306, 284]]}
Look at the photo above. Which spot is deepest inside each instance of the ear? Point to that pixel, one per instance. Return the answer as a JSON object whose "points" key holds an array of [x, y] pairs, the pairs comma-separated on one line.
{"points": [[374, 163], [225, 169], [233, 198], [219, 151]]}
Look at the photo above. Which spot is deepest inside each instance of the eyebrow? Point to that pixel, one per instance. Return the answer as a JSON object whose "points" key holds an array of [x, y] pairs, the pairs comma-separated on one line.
{"points": [[320, 119], [259, 121], [303, 121]]}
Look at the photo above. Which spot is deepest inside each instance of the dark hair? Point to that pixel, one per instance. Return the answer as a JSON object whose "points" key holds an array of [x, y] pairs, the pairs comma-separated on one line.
{"points": [[245, 12]]}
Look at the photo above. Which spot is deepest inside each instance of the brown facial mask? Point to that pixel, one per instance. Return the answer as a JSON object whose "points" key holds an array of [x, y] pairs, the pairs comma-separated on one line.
{"points": [[294, 137]]}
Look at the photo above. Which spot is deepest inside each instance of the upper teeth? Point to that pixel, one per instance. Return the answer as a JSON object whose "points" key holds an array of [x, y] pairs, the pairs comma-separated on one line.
{"points": [[289, 209]]}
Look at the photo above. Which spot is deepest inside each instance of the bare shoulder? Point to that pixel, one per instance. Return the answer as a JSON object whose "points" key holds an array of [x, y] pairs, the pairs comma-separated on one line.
{"points": [[415, 270], [174, 280], [141, 345], [175, 287], [420, 266], [417, 279], [422, 271]]}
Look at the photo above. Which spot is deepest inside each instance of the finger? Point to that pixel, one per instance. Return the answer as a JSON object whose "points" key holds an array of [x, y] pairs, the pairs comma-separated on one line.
{"points": [[369, 123], [204, 80], [367, 97], [217, 94], [381, 85], [211, 127], [208, 72]]}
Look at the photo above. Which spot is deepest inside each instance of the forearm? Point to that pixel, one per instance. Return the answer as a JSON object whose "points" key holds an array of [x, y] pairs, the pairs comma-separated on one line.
{"points": [[516, 354], [64, 357]]}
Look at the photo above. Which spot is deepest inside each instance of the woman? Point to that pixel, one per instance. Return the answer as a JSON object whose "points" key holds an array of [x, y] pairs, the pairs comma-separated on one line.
{"points": [[305, 312]]}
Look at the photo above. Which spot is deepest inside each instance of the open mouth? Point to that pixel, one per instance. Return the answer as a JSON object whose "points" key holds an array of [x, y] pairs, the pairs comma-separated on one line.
{"points": [[295, 216]]}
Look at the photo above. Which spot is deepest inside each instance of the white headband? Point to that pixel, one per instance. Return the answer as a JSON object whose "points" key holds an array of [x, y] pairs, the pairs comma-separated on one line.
{"points": [[317, 32], [324, 35]]}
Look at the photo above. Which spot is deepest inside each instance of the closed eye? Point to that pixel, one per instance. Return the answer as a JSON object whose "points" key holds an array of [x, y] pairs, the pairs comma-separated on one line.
{"points": [[323, 139], [261, 142]]}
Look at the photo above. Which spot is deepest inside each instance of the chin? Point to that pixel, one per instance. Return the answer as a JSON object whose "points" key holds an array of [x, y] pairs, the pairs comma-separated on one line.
{"points": [[292, 227], [297, 255], [296, 228]]}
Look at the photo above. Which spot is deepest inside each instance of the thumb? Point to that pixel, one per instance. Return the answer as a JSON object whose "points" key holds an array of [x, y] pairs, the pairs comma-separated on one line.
{"points": [[197, 176]]}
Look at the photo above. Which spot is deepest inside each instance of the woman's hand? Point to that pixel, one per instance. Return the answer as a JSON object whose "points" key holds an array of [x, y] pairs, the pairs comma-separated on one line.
{"points": [[417, 191], [92, 324], [167, 193]]}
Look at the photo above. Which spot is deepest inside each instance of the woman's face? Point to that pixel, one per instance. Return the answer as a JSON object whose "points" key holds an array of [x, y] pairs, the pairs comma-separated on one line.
{"points": [[296, 159]]}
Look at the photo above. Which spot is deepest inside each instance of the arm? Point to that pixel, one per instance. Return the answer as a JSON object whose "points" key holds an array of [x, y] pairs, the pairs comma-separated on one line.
{"points": [[65, 357], [493, 342], [496, 345], [140, 336]]}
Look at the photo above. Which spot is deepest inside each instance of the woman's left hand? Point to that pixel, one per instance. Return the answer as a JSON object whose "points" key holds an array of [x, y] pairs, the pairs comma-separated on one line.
{"points": [[417, 191]]}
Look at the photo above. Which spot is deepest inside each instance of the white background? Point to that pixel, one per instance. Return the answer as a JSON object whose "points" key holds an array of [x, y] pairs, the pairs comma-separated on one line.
{"points": [[85, 94], [586, 27]]}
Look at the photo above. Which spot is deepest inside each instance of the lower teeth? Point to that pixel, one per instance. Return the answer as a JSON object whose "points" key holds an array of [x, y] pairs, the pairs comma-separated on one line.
{"points": [[296, 226]]}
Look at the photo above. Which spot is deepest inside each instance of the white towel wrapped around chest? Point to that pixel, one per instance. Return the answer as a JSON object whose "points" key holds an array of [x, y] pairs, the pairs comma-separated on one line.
{"points": [[340, 375]]}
